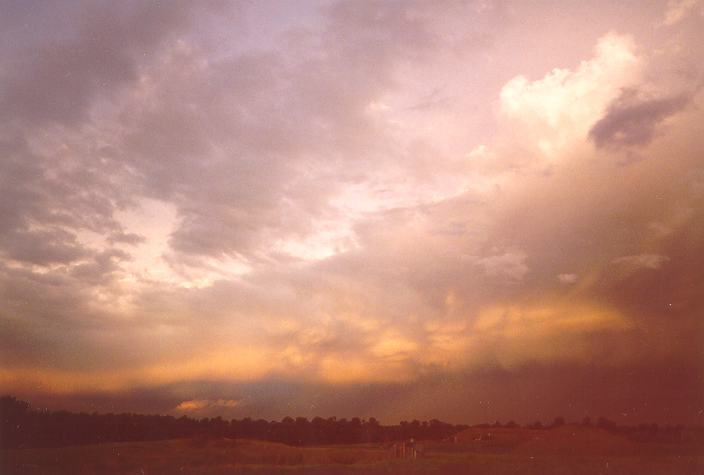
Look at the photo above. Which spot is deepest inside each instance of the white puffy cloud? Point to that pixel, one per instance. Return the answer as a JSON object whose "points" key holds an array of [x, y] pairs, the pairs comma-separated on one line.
{"points": [[558, 109], [568, 278]]}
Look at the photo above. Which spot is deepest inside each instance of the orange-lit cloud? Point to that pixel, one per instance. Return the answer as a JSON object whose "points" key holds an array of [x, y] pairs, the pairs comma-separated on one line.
{"points": [[200, 404]]}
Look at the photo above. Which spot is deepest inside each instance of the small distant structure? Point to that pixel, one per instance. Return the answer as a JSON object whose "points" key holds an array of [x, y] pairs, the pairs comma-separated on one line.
{"points": [[406, 449], [484, 437], [687, 435]]}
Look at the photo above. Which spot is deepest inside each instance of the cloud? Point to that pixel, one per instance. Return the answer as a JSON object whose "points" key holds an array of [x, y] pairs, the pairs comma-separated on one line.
{"points": [[199, 405], [645, 261], [568, 278], [547, 333], [557, 109], [43, 246], [631, 120], [102, 267], [127, 238], [677, 10], [510, 265], [57, 78]]}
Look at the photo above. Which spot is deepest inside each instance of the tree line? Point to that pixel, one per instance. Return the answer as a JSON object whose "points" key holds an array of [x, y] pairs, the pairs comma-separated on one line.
{"points": [[644, 432], [21, 426]]}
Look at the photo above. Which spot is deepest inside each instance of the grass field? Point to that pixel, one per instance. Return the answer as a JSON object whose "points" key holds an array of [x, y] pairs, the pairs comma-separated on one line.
{"points": [[564, 451]]}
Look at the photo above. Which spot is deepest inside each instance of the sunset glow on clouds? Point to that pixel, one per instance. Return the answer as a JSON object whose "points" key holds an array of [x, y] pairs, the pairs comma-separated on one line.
{"points": [[353, 208]]}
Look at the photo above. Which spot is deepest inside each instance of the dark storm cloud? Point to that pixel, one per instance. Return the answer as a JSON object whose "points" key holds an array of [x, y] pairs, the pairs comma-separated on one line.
{"points": [[44, 205], [104, 264], [632, 120], [61, 59], [26, 197], [82, 51], [271, 132], [42, 247]]}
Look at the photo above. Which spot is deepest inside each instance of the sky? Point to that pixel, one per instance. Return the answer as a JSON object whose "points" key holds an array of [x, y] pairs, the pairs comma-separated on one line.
{"points": [[463, 210]]}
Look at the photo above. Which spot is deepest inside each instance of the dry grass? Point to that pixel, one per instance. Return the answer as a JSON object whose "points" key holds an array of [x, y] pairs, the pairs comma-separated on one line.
{"points": [[184, 456], [564, 451]]}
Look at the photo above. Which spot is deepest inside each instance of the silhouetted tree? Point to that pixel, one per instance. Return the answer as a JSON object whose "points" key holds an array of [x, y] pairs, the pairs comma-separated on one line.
{"points": [[22, 427], [558, 422], [604, 423], [13, 414]]}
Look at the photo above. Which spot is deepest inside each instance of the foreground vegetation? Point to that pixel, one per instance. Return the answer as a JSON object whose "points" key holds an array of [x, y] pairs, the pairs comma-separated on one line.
{"points": [[590, 453], [39, 442]]}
